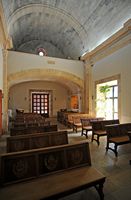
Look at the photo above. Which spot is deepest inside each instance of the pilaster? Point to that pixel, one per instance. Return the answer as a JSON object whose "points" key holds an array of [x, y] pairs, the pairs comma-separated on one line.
{"points": [[88, 87], [5, 92]]}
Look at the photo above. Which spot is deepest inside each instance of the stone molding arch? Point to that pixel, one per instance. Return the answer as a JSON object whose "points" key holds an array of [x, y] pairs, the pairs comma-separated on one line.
{"points": [[45, 75]]}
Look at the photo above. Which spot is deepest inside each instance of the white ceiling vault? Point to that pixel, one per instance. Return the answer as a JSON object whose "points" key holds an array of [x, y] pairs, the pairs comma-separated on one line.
{"points": [[64, 28]]}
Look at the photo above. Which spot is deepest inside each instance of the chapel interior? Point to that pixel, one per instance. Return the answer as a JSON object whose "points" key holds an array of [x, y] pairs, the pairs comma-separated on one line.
{"points": [[65, 113]]}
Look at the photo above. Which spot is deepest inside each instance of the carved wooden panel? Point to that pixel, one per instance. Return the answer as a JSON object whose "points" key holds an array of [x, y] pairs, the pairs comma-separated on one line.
{"points": [[16, 167], [31, 130], [34, 141], [76, 156], [39, 141], [51, 162], [17, 144]]}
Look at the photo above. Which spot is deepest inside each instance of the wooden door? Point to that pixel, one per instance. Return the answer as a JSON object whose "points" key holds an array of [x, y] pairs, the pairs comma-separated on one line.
{"points": [[40, 104]]}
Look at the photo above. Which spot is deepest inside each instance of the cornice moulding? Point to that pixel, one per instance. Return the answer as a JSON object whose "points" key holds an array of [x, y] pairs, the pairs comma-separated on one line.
{"points": [[112, 44]]}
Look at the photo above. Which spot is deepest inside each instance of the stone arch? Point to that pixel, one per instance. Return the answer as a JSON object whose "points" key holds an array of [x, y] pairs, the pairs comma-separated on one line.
{"points": [[46, 74]]}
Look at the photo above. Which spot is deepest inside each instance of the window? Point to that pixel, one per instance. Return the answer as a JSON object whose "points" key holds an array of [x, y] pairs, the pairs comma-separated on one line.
{"points": [[112, 103], [41, 52], [107, 103]]}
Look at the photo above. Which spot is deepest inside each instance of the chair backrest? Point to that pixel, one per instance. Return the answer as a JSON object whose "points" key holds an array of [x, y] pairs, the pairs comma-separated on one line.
{"points": [[112, 130], [97, 125], [76, 120], [116, 130], [109, 122], [100, 125], [85, 122]]}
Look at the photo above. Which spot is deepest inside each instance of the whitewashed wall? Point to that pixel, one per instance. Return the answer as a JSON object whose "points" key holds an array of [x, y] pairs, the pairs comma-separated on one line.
{"points": [[118, 63], [21, 61]]}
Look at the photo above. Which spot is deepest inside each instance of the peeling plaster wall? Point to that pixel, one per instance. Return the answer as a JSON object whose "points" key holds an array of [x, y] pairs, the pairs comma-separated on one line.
{"points": [[19, 95], [118, 63]]}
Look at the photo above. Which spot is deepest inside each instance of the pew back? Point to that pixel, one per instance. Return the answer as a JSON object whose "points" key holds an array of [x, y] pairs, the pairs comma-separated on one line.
{"points": [[29, 130], [98, 128], [117, 134], [25, 165], [34, 141]]}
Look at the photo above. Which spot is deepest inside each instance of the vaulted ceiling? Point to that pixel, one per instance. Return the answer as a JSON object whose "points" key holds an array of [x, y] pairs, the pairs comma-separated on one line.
{"points": [[64, 28]]}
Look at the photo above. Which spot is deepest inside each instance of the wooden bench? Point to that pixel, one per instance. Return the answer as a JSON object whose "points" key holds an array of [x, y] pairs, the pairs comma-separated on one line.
{"points": [[27, 118], [66, 118], [34, 141], [86, 127], [74, 120], [76, 123], [118, 135], [31, 123], [87, 124], [129, 134], [98, 128], [64, 170], [29, 130]]}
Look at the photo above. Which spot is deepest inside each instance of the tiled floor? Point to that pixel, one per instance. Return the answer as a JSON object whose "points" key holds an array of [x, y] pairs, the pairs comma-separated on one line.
{"points": [[117, 170]]}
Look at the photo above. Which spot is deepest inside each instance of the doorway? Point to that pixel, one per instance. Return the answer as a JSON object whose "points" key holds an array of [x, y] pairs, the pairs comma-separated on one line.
{"points": [[40, 103]]}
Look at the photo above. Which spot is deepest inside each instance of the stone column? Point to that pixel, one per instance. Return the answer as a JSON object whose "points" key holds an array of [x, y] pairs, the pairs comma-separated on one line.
{"points": [[88, 87], [5, 92]]}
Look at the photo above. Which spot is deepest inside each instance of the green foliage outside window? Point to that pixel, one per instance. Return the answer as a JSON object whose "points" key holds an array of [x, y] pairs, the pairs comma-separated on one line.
{"points": [[101, 100]]}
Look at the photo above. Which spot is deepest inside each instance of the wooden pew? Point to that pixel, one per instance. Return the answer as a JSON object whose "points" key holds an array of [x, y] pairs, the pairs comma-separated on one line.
{"points": [[67, 118], [76, 123], [98, 128], [64, 170], [118, 135], [27, 117], [79, 121], [29, 130], [34, 141], [87, 124], [129, 134], [86, 127]]}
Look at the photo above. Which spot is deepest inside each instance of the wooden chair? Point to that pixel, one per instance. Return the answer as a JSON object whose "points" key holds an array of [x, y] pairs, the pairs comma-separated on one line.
{"points": [[118, 135], [76, 123], [86, 126], [98, 128], [129, 134]]}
